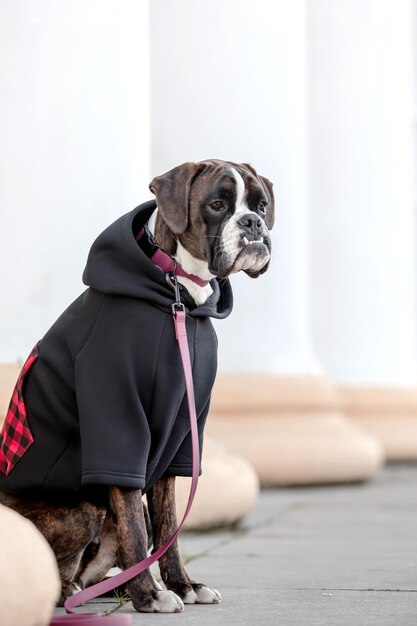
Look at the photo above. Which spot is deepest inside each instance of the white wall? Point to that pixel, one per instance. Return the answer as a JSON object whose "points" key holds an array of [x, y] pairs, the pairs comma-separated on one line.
{"points": [[229, 81], [322, 106], [74, 151], [363, 227]]}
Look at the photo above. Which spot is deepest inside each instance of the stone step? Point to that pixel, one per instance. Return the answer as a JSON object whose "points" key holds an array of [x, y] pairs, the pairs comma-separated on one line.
{"points": [[292, 429]]}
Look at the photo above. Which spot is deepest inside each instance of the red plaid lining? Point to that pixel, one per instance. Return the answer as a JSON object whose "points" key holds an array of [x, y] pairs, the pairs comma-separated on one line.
{"points": [[15, 436]]}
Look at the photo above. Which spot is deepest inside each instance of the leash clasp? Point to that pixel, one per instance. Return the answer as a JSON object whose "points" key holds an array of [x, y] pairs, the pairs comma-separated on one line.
{"points": [[177, 306], [173, 282]]}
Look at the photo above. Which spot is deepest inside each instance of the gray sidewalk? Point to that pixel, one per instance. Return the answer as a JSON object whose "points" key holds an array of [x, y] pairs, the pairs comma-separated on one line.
{"points": [[321, 556]]}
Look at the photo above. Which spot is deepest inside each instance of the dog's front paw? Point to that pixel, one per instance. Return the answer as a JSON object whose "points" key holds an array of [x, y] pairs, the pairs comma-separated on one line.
{"points": [[160, 602], [68, 588], [201, 594]]}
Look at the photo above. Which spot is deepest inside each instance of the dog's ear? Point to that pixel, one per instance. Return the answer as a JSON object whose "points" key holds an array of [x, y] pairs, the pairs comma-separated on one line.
{"points": [[172, 191], [270, 209]]}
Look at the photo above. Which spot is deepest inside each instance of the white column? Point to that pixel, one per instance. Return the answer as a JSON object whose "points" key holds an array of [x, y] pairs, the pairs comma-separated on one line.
{"points": [[363, 261], [229, 81], [74, 148], [74, 156], [363, 228]]}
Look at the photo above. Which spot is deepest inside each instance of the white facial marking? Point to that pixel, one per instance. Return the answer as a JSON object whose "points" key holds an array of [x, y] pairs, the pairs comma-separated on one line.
{"points": [[232, 234], [240, 192]]}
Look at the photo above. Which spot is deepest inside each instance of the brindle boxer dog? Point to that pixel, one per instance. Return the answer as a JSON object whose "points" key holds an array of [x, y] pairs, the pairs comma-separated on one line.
{"points": [[214, 218]]}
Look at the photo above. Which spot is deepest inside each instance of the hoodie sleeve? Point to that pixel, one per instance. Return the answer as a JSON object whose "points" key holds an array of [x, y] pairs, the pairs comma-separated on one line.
{"points": [[109, 372]]}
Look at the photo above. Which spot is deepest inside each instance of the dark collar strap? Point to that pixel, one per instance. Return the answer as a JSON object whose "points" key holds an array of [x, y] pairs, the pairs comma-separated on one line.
{"points": [[162, 259]]}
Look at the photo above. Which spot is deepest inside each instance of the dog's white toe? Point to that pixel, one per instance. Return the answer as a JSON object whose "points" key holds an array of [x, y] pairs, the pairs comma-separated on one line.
{"points": [[206, 595], [191, 597], [167, 602]]}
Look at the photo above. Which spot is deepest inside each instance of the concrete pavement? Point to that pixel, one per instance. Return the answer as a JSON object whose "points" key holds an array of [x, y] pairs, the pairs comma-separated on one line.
{"points": [[321, 556]]}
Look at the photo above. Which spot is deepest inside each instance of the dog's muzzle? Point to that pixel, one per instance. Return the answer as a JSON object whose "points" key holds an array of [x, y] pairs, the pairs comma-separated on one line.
{"points": [[246, 247]]}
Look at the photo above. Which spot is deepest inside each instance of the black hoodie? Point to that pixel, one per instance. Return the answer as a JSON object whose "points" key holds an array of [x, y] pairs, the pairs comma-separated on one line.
{"points": [[105, 399]]}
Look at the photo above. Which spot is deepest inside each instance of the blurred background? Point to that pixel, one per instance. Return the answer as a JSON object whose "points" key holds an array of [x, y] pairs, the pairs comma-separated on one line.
{"points": [[319, 358]]}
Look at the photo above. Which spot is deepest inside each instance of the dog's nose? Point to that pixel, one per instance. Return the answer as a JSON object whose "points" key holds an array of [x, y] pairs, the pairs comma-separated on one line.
{"points": [[251, 222]]}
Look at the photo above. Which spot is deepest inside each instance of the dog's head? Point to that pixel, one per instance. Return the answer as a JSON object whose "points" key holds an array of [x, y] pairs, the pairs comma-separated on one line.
{"points": [[220, 211]]}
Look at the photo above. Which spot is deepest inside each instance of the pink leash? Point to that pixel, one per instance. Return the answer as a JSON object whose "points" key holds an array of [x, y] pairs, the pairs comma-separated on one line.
{"points": [[96, 619]]}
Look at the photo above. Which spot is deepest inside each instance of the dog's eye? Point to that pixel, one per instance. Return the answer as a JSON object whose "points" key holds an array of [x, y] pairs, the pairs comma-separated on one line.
{"points": [[217, 205], [262, 207]]}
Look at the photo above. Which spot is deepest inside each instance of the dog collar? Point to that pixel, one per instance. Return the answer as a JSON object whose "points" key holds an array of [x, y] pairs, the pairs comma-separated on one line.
{"points": [[163, 260]]}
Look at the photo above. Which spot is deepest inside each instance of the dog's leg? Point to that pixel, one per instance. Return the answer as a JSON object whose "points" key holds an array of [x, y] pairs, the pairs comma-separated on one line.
{"points": [[100, 555], [69, 529], [161, 503], [131, 535]]}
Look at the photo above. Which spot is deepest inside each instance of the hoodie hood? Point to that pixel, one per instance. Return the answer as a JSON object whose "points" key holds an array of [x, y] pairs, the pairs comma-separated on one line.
{"points": [[116, 265]]}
